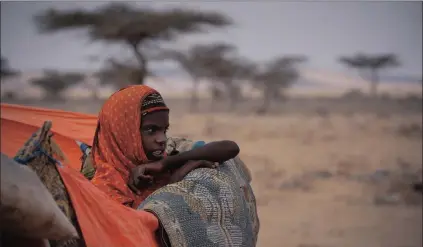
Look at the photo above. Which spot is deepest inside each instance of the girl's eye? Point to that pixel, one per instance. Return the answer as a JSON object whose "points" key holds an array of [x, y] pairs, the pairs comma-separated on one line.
{"points": [[149, 131]]}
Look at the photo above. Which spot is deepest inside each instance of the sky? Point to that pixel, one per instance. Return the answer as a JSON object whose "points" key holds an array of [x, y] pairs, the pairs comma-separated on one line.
{"points": [[323, 31]]}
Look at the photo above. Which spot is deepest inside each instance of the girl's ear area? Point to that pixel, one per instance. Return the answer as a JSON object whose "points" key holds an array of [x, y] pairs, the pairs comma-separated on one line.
{"points": [[178, 144]]}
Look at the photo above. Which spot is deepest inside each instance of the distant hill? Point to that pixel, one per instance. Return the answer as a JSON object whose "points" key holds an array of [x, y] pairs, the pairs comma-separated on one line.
{"points": [[399, 78], [175, 72]]}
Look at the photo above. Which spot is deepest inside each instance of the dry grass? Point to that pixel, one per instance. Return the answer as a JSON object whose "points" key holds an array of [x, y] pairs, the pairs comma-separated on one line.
{"points": [[314, 169], [299, 166]]}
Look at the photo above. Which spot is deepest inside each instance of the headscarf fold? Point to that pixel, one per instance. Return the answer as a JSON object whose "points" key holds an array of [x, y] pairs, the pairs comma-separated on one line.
{"points": [[117, 146]]}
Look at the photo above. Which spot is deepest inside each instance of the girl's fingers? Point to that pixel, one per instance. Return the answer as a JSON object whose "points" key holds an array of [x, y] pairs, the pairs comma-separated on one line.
{"points": [[133, 188], [153, 168], [147, 178], [181, 172], [208, 164]]}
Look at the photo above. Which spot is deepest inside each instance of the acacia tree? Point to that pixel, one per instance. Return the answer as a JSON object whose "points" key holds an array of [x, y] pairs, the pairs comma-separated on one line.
{"points": [[230, 72], [117, 74], [54, 83], [189, 61], [201, 62], [137, 28], [211, 57], [5, 69], [274, 77], [369, 67]]}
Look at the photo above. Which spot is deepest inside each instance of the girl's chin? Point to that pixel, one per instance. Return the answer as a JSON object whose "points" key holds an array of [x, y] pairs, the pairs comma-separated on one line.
{"points": [[154, 158]]}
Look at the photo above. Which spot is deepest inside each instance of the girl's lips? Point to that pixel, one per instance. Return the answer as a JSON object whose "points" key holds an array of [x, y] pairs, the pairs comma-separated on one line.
{"points": [[158, 153]]}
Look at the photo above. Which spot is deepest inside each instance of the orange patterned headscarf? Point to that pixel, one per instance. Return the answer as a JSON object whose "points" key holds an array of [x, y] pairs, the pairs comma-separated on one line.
{"points": [[117, 146]]}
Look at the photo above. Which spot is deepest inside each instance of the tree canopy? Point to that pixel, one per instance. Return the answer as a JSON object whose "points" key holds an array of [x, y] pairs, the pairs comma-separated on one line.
{"points": [[369, 66], [5, 69], [218, 63], [54, 82], [274, 77], [365, 61], [135, 27]]}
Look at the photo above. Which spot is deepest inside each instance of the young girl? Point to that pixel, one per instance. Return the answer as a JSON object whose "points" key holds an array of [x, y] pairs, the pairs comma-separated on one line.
{"points": [[128, 152]]}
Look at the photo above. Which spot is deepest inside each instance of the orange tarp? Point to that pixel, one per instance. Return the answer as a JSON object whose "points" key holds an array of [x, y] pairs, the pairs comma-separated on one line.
{"points": [[104, 223]]}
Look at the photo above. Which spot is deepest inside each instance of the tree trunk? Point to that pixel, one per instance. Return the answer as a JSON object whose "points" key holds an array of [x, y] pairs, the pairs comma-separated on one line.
{"points": [[142, 61], [54, 95], [267, 97], [10, 95], [231, 91], [235, 96], [374, 83], [215, 95], [95, 93], [194, 94], [213, 104]]}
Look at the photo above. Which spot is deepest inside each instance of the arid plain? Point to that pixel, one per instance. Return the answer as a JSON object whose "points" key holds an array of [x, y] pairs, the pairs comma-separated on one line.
{"points": [[326, 172]]}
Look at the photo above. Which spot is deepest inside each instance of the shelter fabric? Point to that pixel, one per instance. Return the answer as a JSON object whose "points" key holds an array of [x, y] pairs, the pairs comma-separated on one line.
{"points": [[103, 221], [42, 155], [207, 208]]}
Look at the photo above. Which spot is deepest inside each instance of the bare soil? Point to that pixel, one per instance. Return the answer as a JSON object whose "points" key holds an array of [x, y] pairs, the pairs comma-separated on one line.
{"points": [[326, 172]]}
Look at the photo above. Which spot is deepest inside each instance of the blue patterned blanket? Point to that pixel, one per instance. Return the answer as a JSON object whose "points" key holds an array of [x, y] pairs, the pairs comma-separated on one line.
{"points": [[208, 208]]}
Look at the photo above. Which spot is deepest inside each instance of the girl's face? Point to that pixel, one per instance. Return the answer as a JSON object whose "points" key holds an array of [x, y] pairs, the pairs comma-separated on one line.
{"points": [[153, 134]]}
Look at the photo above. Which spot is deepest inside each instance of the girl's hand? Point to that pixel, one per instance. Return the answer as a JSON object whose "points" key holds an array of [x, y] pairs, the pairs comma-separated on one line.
{"points": [[181, 172], [140, 177]]}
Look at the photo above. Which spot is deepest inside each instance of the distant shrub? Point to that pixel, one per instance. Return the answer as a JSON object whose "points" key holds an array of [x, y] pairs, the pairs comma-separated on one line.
{"points": [[413, 97], [353, 94], [9, 95], [410, 130], [385, 96]]}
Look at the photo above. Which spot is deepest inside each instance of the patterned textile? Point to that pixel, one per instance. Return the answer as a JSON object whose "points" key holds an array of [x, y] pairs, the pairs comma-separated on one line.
{"points": [[87, 167], [208, 208], [41, 154], [117, 146]]}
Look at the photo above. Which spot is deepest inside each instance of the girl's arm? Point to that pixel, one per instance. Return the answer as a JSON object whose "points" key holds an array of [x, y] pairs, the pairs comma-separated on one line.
{"points": [[182, 163], [218, 151]]}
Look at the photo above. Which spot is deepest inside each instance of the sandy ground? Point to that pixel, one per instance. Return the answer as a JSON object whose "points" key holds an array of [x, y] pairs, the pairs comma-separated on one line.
{"points": [[325, 173]]}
